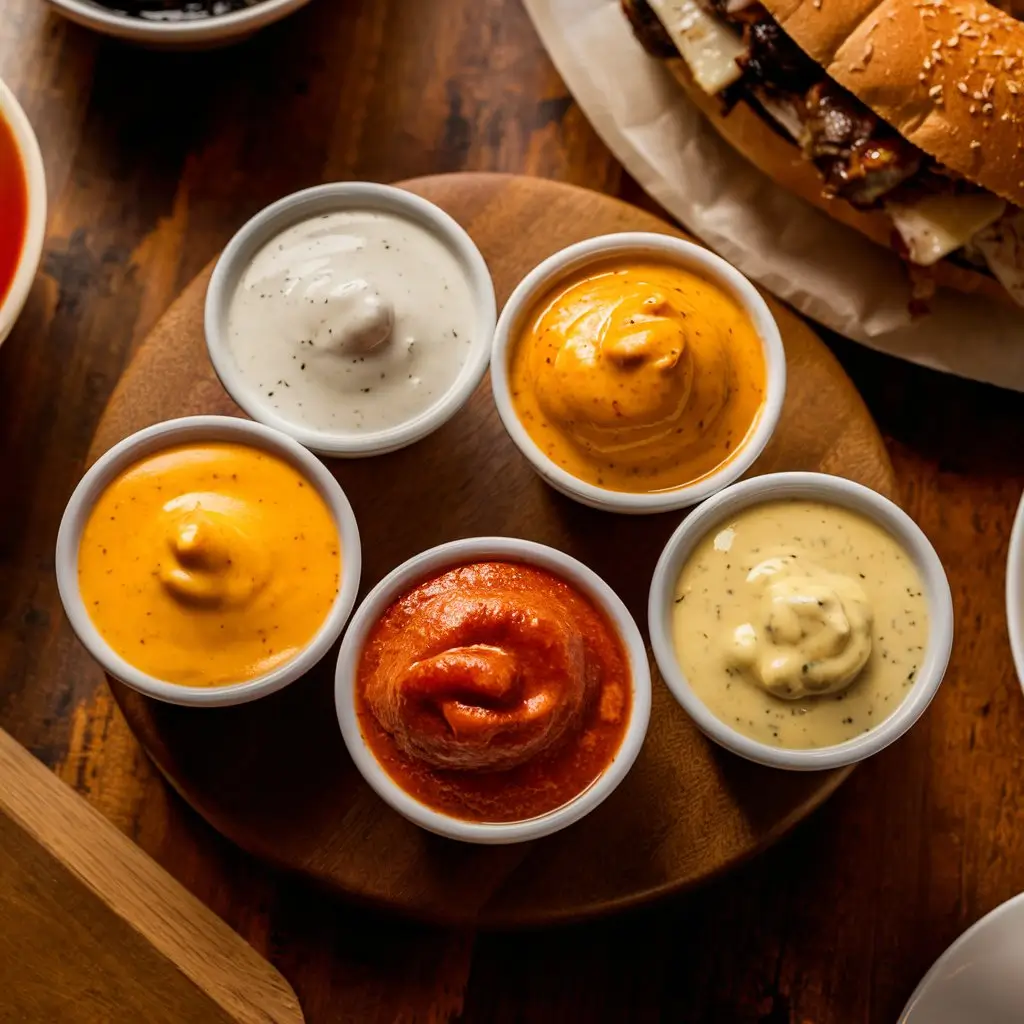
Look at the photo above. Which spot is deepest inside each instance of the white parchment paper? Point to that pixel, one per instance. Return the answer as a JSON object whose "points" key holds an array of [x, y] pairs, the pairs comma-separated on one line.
{"points": [[824, 269]]}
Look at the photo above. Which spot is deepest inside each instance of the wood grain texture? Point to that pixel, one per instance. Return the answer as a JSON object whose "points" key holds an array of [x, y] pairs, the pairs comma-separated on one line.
{"points": [[685, 813], [95, 930], [154, 160]]}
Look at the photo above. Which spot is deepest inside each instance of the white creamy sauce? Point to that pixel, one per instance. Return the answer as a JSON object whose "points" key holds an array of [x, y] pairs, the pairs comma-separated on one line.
{"points": [[800, 624], [352, 321]]}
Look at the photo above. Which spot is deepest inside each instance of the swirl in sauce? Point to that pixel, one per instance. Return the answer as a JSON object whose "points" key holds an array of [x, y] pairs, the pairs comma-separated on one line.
{"points": [[809, 632], [638, 377], [356, 320], [209, 564], [800, 624], [493, 692]]}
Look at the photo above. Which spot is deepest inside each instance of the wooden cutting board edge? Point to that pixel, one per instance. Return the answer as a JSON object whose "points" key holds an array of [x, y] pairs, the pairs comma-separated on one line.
{"points": [[213, 957]]}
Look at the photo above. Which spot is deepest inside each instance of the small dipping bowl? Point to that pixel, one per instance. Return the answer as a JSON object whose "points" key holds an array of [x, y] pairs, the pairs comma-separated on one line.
{"points": [[204, 429], [829, 490], [182, 33], [35, 227], [432, 563], [674, 252], [321, 201]]}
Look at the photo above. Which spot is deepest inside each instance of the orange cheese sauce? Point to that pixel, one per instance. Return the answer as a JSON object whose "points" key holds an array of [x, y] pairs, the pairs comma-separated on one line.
{"points": [[638, 376], [495, 692], [209, 564]]}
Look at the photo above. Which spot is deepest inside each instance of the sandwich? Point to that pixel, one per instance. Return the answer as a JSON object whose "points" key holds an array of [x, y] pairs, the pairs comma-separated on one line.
{"points": [[903, 119]]}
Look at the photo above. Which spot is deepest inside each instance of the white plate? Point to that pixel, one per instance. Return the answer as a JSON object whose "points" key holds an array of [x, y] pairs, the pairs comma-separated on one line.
{"points": [[827, 271], [978, 980], [1015, 593]]}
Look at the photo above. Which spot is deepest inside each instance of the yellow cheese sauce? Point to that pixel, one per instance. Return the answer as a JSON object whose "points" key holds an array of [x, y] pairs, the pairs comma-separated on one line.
{"points": [[800, 624], [638, 377], [209, 564]]}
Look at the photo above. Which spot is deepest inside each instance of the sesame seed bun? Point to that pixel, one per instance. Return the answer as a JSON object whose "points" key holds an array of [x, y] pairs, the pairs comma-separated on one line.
{"points": [[947, 74]]}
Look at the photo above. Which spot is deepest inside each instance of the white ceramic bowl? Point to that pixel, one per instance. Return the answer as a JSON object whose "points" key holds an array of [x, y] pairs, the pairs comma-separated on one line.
{"points": [[1015, 592], [195, 33], [183, 431], [834, 491], [432, 563], [313, 202], [682, 254], [35, 229]]}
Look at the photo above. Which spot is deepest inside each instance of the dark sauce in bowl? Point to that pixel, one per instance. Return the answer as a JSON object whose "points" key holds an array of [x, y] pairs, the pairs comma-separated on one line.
{"points": [[175, 10]]}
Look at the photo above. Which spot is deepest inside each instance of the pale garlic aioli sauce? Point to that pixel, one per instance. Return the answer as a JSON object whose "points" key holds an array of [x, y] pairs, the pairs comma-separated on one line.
{"points": [[352, 321], [800, 624]]}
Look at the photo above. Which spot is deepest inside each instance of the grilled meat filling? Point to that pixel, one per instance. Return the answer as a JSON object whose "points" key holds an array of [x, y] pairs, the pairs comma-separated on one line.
{"points": [[860, 157]]}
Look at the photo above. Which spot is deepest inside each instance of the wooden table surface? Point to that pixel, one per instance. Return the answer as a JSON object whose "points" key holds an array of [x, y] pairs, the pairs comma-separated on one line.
{"points": [[154, 160]]}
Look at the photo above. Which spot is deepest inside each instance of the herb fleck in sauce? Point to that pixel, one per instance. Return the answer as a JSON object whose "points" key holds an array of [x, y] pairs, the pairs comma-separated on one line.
{"points": [[712, 597], [351, 322]]}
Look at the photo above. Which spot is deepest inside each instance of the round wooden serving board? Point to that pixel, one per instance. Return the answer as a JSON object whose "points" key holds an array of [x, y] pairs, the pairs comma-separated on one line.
{"points": [[274, 775]]}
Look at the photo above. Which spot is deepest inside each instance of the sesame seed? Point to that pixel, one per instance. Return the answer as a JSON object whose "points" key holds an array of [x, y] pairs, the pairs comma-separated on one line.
{"points": [[1005, 117], [935, 91], [987, 108], [977, 95], [984, 17], [975, 144], [962, 86], [1013, 88], [972, 109], [952, 40]]}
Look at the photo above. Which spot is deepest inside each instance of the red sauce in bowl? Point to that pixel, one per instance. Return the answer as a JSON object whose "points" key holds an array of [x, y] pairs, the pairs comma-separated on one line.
{"points": [[13, 207], [494, 692]]}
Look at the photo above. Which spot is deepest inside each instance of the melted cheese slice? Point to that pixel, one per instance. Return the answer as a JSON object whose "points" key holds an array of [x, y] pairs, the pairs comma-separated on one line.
{"points": [[709, 47], [935, 226], [1002, 245]]}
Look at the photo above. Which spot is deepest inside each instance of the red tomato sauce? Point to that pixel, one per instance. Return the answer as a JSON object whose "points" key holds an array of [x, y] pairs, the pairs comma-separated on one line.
{"points": [[494, 692], [13, 207]]}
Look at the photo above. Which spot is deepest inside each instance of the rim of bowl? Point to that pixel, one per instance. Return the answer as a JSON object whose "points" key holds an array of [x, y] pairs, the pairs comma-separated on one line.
{"points": [[462, 552], [338, 197], [35, 226], [831, 490], [1015, 591], [181, 431], [217, 26], [689, 256]]}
